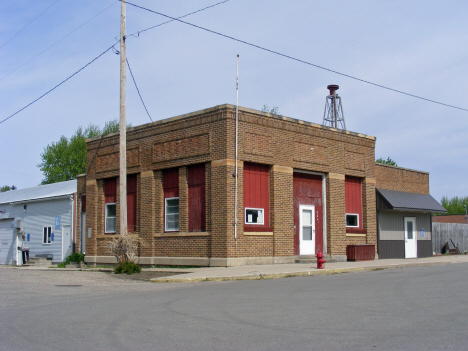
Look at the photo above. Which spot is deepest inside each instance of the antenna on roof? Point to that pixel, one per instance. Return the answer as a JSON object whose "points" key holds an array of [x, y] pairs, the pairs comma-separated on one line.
{"points": [[333, 114]]}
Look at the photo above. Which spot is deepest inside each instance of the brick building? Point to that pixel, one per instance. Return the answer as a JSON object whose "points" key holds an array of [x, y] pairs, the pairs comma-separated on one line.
{"points": [[302, 188]]}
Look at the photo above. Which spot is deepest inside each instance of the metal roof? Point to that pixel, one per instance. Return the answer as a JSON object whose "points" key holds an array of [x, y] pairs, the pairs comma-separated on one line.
{"points": [[400, 200], [39, 192]]}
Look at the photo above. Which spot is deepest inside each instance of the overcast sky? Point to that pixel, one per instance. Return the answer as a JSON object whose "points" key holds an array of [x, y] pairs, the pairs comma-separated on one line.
{"points": [[419, 47]]}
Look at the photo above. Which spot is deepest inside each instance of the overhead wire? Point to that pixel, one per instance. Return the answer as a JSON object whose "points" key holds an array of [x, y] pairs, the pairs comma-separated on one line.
{"points": [[26, 26], [110, 48], [296, 59], [58, 41], [55, 87], [138, 90]]}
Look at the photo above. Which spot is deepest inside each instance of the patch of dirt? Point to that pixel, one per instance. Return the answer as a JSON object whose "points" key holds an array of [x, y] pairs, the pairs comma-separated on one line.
{"points": [[145, 275]]}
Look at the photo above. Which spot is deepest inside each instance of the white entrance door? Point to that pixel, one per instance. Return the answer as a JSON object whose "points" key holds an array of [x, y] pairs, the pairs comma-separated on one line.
{"points": [[66, 242], [306, 230], [411, 244], [83, 233]]}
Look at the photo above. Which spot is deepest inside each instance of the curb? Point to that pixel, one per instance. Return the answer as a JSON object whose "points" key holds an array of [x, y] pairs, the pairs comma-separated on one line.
{"points": [[294, 274]]}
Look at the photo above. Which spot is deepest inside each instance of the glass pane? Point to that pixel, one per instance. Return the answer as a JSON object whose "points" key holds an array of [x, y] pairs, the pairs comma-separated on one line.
{"points": [[111, 210], [172, 225], [110, 225], [351, 220], [307, 233], [44, 238], [253, 216], [409, 228], [307, 217]]}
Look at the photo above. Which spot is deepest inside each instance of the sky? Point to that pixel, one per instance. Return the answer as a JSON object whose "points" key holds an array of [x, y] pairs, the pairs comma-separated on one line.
{"points": [[418, 47]]}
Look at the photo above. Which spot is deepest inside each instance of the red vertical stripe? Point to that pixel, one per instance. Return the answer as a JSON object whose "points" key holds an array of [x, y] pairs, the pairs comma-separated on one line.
{"points": [[353, 196], [196, 198], [256, 189], [131, 202], [110, 190]]}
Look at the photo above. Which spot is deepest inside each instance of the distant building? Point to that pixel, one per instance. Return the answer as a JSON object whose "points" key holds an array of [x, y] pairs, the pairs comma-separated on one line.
{"points": [[39, 220], [462, 219]]}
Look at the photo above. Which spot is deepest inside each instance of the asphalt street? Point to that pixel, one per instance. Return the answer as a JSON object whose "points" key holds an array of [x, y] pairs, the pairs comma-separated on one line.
{"points": [[413, 308]]}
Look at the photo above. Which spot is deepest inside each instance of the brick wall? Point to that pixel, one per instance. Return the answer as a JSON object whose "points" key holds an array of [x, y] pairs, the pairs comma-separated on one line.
{"points": [[401, 179], [208, 137]]}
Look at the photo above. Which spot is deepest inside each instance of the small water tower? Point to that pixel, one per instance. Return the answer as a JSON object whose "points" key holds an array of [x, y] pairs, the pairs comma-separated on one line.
{"points": [[333, 114]]}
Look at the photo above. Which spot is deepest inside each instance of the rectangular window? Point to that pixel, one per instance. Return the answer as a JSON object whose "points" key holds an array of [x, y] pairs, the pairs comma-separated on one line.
{"points": [[171, 199], [254, 216], [110, 199], [111, 216], [131, 202], [256, 197], [353, 202], [172, 214], [47, 235], [196, 198]]}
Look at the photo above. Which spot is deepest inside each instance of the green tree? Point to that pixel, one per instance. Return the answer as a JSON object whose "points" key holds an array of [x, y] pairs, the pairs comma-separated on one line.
{"points": [[388, 161], [67, 158], [7, 188], [271, 110], [455, 205]]}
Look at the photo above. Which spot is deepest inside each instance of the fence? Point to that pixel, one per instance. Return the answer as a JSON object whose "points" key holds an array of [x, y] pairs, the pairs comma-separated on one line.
{"points": [[443, 232]]}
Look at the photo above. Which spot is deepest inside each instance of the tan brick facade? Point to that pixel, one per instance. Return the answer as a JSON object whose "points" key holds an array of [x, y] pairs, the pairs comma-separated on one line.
{"points": [[401, 179], [285, 145]]}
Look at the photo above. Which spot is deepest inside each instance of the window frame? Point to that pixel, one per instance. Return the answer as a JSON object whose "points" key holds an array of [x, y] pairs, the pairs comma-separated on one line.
{"points": [[49, 235], [109, 217], [166, 214], [258, 209], [357, 220]]}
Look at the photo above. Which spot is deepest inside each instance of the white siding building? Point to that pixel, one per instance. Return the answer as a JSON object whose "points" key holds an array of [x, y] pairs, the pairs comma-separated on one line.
{"points": [[39, 219]]}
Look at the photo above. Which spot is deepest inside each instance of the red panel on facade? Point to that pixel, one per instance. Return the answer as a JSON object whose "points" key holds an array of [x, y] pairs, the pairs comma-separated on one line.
{"points": [[257, 190], [171, 182], [83, 203], [131, 202], [308, 191], [110, 190], [196, 198], [353, 197]]}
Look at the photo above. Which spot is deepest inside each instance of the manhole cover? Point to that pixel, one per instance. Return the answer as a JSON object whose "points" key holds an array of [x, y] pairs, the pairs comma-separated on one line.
{"points": [[69, 286]]}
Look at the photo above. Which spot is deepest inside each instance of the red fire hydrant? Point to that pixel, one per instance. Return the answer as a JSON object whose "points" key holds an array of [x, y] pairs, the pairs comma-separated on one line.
{"points": [[320, 260]]}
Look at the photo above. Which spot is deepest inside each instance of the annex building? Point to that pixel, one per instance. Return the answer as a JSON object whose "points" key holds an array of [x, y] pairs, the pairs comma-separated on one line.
{"points": [[302, 188]]}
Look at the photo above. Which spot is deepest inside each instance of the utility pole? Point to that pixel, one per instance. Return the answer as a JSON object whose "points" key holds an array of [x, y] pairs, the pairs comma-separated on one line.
{"points": [[123, 126]]}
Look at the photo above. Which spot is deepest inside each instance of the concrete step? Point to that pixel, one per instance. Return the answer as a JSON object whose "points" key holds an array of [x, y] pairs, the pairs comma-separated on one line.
{"points": [[38, 262]]}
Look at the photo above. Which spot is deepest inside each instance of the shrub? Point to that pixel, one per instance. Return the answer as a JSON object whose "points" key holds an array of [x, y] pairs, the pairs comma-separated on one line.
{"points": [[74, 257], [127, 267]]}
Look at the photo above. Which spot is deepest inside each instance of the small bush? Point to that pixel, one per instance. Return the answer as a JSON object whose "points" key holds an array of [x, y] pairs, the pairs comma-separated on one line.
{"points": [[127, 267], [74, 257]]}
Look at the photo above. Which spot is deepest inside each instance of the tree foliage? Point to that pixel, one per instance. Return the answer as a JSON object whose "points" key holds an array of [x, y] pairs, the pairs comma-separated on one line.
{"points": [[455, 205], [65, 159], [388, 161], [271, 110], [7, 188]]}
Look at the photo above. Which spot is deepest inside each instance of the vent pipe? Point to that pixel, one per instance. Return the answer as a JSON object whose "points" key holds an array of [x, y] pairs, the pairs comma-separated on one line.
{"points": [[333, 114]]}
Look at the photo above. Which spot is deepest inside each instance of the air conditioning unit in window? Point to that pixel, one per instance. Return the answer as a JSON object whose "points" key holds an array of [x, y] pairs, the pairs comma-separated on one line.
{"points": [[16, 224]]}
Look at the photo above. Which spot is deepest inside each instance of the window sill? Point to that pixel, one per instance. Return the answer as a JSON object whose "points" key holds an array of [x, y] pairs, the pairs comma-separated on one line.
{"points": [[259, 228], [258, 233], [181, 234]]}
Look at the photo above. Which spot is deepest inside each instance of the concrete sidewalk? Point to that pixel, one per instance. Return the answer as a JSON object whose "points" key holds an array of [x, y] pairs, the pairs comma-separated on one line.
{"points": [[292, 270], [277, 270]]}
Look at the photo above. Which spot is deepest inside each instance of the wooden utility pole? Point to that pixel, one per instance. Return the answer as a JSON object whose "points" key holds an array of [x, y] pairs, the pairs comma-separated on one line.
{"points": [[123, 127]]}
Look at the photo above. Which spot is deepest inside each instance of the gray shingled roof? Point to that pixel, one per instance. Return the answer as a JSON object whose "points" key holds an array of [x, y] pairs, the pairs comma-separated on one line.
{"points": [[39, 192], [400, 200]]}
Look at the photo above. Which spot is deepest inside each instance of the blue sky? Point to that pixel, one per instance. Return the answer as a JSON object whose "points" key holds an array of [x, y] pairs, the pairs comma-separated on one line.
{"points": [[419, 47]]}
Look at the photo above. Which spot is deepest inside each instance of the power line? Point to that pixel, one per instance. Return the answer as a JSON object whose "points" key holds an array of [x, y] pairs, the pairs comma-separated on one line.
{"points": [[172, 20], [138, 90], [296, 59], [35, 18], [40, 97], [58, 41]]}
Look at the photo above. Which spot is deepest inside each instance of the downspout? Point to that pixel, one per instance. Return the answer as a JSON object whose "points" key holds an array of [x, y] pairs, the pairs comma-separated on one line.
{"points": [[237, 135], [73, 209]]}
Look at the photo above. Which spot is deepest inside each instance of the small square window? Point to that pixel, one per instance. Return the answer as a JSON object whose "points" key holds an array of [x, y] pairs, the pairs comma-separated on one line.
{"points": [[172, 214], [254, 216], [352, 220], [110, 218]]}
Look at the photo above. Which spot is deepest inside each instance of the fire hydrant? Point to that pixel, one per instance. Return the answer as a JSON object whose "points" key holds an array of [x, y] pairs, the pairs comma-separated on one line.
{"points": [[320, 260]]}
